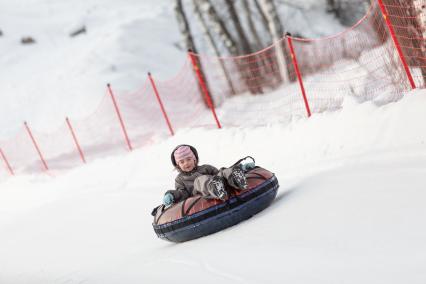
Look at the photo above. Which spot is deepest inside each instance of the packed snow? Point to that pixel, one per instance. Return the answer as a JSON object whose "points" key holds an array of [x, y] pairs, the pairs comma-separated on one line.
{"points": [[350, 207]]}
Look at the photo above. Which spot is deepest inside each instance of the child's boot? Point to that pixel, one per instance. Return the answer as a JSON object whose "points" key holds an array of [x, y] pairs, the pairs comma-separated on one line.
{"points": [[217, 186], [238, 177]]}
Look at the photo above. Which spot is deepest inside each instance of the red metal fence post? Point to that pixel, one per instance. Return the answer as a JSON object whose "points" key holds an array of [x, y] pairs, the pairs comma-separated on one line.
{"points": [[203, 86], [396, 43], [36, 146], [74, 137], [117, 110], [154, 87], [6, 162], [299, 76]]}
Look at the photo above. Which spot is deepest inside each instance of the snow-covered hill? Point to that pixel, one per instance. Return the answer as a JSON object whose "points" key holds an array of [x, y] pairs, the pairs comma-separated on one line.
{"points": [[124, 41], [350, 208]]}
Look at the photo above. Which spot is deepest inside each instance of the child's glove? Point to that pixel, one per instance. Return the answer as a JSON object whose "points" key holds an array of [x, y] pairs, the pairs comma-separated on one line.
{"points": [[248, 166], [168, 199]]}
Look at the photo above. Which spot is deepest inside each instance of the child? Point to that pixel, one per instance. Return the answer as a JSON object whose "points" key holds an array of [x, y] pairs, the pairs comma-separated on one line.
{"points": [[205, 179]]}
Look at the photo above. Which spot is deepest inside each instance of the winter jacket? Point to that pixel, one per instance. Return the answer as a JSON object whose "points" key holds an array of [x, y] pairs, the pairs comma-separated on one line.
{"points": [[184, 182]]}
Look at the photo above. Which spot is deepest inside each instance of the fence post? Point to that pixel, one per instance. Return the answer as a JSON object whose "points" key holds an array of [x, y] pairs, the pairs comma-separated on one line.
{"points": [[6, 162], [117, 110], [396, 43], [36, 146], [203, 86], [154, 87], [299, 76], [74, 137]]}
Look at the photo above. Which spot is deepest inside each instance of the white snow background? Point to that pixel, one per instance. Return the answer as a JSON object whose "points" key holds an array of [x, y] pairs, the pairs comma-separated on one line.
{"points": [[350, 208]]}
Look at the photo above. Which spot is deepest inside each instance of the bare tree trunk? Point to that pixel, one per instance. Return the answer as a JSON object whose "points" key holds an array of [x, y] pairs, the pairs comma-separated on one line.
{"points": [[245, 45], [257, 41], [219, 26], [190, 44], [276, 30], [348, 12], [333, 7], [270, 61], [252, 67], [184, 27], [213, 44], [264, 19], [225, 36]]}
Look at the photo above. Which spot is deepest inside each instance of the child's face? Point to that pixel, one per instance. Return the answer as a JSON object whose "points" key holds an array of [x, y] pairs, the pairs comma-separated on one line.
{"points": [[187, 164]]}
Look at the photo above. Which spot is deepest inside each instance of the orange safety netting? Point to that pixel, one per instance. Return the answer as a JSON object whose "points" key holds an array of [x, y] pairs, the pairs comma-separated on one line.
{"points": [[378, 59]]}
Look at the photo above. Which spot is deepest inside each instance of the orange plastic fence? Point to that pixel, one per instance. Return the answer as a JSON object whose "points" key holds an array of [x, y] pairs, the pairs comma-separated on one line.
{"points": [[378, 59]]}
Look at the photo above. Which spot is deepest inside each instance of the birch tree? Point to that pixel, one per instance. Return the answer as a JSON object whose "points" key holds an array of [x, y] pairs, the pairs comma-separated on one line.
{"points": [[213, 44], [252, 64], [252, 28], [219, 26], [242, 38], [277, 32], [264, 19], [184, 26], [225, 36], [189, 43]]}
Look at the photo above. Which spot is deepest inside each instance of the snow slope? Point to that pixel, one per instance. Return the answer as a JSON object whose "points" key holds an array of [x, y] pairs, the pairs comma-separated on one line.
{"points": [[350, 208], [124, 40]]}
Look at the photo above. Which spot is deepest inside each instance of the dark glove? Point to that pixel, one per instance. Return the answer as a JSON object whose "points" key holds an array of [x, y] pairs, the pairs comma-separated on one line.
{"points": [[168, 199], [154, 211]]}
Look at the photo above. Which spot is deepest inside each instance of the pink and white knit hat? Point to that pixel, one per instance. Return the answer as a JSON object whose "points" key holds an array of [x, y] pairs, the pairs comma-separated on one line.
{"points": [[183, 152]]}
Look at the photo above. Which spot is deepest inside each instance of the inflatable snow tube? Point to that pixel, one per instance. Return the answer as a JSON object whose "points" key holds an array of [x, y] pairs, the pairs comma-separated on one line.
{"points": [[196, 217]]}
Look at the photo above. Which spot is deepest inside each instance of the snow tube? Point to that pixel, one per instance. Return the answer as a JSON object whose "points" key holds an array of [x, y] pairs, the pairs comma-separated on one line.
{"points": [[196, 216]]}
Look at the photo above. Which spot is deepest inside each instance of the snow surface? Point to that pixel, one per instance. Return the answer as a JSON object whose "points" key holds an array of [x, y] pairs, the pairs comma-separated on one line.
{"points": [[350, 208], [124, 40]]}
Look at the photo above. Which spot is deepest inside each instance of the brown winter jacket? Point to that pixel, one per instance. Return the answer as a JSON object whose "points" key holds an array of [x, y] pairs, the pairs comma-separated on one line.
{"points": [[184, 182]]}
